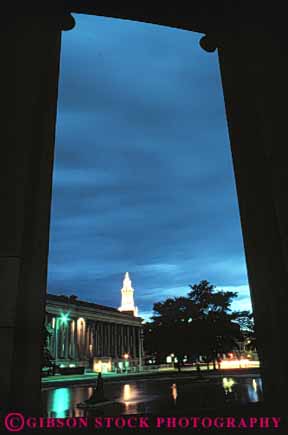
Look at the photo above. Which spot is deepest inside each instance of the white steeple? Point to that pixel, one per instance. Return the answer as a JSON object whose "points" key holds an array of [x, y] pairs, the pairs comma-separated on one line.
{"points": [[127, 292]]}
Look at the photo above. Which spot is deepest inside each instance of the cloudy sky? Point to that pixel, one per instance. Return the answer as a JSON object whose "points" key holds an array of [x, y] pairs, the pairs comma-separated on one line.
{"points": [[143, 178]]}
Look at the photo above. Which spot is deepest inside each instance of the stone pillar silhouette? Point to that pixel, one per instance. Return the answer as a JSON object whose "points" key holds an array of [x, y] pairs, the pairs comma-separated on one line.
{"points": [[107, 338], [254, 70], [67, 339], [86, 341], [72, 339], [116, 340], [76, 340], [101, 339], [31, 47], [97, 343], [122, 340], [134, 342], [112, 329], [128, 329]]}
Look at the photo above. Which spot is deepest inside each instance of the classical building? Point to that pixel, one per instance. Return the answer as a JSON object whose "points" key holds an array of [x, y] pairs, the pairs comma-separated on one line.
{"points": [[96, 336]]}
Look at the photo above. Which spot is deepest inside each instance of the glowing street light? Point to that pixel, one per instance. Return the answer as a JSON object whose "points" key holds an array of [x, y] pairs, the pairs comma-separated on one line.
{"points": [[126, 357], [64, 318], [174, 392]]}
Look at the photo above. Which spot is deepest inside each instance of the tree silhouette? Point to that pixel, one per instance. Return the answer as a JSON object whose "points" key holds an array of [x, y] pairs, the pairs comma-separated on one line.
{"points": [[47, 360], [199, 324]]}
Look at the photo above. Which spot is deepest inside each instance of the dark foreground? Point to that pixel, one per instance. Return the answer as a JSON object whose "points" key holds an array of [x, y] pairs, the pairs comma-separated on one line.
{"points": [[165, 396], [230, 402]]}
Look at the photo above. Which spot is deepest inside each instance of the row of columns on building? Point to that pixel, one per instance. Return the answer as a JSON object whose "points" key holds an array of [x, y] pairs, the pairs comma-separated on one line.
{"points": [[80, 339]]}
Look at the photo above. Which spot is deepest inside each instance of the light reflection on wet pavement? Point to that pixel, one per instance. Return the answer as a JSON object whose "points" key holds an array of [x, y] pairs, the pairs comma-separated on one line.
{"points": [[148, 396]]}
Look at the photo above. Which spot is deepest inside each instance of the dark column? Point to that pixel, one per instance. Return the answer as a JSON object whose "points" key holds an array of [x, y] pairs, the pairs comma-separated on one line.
{"points": [[121, 347], [71, 345], [67, 339], [254, 69], [111, 340], [134, 342], [129, 348], [140, 351], [30, 53], [61, 338], [108, 339], [91, 341], [116, 340], [76, 340], [95, 342], [86, 340], [101, 339], [97, 339], [115, 337]]}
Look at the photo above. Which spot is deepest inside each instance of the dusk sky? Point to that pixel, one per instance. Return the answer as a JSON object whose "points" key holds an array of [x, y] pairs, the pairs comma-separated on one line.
{"points": [[143, 177]]}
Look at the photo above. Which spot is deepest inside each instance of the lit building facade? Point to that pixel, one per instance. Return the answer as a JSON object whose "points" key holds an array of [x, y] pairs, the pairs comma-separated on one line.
{"points": [[93, 336]]}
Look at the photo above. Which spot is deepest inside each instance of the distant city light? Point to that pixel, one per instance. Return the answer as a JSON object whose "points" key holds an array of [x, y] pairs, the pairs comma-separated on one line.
{"points": [[238, 363], [126, 392], [102, 366], [174, 392], [228, 384]]}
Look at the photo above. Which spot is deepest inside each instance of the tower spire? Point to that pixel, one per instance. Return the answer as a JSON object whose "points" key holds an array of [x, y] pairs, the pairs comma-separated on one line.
{"points": [[127, 299]]}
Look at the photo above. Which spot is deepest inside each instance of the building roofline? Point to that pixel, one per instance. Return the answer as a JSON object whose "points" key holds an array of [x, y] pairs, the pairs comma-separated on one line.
{"points": [[73, 300]]}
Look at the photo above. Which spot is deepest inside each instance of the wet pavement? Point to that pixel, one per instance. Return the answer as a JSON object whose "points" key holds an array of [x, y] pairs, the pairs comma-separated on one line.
{"points": [[155, 396]]}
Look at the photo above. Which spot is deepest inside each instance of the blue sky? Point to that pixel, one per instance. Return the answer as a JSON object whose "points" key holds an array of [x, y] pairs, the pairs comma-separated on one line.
{"points": [[143, 178]]}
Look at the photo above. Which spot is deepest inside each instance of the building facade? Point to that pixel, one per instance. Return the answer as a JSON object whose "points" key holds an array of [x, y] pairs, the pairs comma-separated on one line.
{"points": [[94, 336]]}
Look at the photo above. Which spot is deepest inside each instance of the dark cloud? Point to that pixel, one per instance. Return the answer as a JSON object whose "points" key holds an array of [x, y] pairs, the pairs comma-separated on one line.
{"points": [[143, 176]]}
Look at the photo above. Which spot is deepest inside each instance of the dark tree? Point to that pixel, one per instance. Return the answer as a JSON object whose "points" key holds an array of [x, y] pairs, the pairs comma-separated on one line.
{"points": [[199, 324], [246, 321], [47, 360]]}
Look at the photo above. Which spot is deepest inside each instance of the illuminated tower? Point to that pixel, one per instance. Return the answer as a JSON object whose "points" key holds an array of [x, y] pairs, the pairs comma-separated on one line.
{"points": [[127, 292]]}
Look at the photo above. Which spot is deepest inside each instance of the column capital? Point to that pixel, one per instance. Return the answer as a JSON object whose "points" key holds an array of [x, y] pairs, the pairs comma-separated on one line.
{"points": [[53, 20], [67, 21], [213, 40], [63, 21], [208, 43]]}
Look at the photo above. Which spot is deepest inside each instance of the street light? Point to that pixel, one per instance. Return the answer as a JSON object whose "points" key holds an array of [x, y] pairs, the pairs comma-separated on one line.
{"points": [[64, 318], [126, 357]]}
